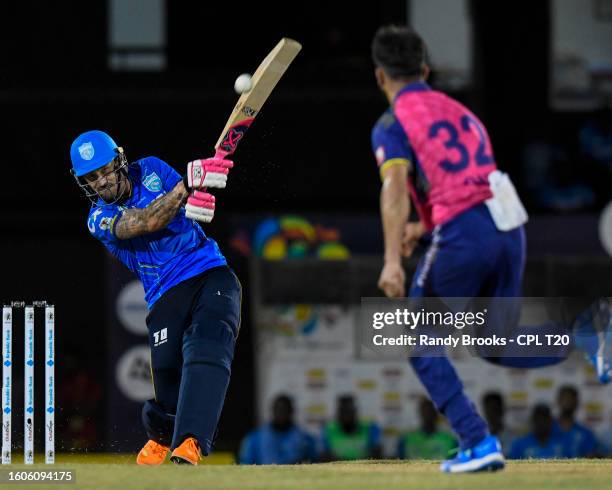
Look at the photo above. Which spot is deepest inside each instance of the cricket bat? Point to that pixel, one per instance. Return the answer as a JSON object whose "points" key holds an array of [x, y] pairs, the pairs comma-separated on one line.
{"points": [[265, 78]]}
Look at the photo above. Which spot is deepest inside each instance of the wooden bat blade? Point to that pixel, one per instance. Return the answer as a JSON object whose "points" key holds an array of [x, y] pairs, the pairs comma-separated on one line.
{"points": [[250, 103]]}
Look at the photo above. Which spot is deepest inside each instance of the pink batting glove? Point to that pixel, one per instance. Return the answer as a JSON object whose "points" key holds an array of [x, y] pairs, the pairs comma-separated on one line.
{"points": [[200, 206], [209, 172]]}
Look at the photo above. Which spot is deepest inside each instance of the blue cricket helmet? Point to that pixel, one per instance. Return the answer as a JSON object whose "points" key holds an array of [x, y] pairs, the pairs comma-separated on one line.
{"points": [[91, 151]]}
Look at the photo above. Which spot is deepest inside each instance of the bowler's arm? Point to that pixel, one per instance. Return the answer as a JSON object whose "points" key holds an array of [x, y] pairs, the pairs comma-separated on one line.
{"points": [[156, 216], [394, 210]]}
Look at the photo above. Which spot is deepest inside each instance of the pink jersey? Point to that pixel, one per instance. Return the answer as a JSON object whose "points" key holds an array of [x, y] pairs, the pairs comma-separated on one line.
{"points": [[452, 149]]}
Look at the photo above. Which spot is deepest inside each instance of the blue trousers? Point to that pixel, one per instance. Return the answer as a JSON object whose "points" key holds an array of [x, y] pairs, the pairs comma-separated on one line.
{"points": [[467, 257], [192, 333]]}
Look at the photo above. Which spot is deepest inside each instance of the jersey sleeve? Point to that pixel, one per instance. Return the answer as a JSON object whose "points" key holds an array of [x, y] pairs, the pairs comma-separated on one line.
{"points": [[390, 143], [168, 176], [102, 221]]}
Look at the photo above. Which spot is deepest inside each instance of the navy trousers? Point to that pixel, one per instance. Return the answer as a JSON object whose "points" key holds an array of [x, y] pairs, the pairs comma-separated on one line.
{"points": [[468, 257], [192, 333]]}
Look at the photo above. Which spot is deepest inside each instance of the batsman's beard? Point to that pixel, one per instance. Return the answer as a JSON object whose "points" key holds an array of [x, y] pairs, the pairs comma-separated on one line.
{"points": [[121, 190]]}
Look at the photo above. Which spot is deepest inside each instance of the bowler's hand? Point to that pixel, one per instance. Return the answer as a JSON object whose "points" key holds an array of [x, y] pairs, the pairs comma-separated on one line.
{"points": [[412, 234], [392, 279]]}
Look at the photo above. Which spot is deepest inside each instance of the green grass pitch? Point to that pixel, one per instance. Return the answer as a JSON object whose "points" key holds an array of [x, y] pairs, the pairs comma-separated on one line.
{"points": [[97, 471]]}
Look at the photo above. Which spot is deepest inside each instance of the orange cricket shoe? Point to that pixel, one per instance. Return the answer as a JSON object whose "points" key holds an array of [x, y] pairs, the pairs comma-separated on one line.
{"points": [[187, 453], [152, 454]]}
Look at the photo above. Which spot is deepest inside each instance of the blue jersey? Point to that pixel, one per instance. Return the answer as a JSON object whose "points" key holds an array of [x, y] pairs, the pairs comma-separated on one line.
{"points": [[268, 446], [390, 143], [529, 447], [164, 258], [580, 440]]}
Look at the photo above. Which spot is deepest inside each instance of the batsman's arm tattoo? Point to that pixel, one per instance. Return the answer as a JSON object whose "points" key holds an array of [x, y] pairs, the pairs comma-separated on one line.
{"points": [[135, 222]]}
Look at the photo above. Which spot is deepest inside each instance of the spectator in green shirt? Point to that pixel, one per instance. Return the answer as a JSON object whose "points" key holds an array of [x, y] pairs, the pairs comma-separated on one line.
{"points": [[347, 437], [427, 442]]}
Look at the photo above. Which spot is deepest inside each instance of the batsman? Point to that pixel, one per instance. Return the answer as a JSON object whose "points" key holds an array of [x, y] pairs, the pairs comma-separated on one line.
{"points": [[146, 215]]}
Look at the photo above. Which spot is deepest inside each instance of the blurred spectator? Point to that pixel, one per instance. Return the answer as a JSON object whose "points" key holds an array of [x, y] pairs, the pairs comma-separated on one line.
{"points": [[494, 410], [280, 441], [348, 438], [427, 442], [580, 440], [544, 442]]}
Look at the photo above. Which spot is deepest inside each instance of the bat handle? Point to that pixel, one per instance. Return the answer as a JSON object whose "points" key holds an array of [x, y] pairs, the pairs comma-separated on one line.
{"points": [[220, 153]]}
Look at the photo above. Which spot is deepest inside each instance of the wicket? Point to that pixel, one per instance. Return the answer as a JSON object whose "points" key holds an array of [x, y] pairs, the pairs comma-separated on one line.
{"points": [[29, 363]]}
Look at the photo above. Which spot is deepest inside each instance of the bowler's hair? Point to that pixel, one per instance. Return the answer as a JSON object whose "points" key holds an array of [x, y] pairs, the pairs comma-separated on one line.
{"points": [[399, 51]]}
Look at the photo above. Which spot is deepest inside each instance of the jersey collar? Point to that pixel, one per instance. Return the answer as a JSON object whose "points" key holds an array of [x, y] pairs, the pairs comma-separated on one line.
{"points": [[413, 87]]}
